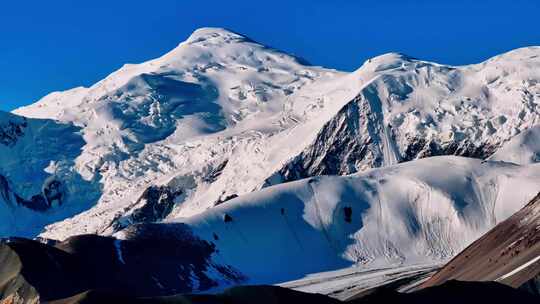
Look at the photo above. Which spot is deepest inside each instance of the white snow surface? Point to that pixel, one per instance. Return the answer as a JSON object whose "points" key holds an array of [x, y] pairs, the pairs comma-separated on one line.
{"points": [[347, 283], [220, 98], [419, 212], [522, 149]]}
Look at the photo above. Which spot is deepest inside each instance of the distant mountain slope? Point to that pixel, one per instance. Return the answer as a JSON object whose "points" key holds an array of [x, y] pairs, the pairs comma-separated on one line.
{"points": [[509, 253], [39, 182], [521, 149], [222, 116]]}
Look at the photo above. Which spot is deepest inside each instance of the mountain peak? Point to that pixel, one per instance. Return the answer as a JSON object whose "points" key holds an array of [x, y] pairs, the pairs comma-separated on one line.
{"points": [[215, 35], [392, 56], [386, 61]]}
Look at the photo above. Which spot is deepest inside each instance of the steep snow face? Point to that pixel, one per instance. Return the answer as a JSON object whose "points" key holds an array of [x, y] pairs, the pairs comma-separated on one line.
{"points": [[39, 183], [415, 109], [214, 80], [221, 116], [521, 149], [403, 214]]}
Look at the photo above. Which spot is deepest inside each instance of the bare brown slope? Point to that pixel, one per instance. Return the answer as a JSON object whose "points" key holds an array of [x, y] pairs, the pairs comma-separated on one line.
{"points": [[13, 287], [155, 260], [502, 250]]}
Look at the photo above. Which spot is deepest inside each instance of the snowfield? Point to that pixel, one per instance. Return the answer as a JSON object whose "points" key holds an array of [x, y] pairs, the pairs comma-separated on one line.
{"points": [[346, 284], [401, 162], [419, 212], [522, 149]]}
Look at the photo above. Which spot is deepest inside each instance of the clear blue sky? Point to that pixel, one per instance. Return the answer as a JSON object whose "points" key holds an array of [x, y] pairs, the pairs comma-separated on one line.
{"points": [[56, 45]]}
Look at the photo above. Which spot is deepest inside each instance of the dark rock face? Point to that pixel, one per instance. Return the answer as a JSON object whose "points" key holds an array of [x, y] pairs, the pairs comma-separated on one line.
{"points": [[215, 173], [347, 212], [159, 204], [154, 260], [421, 148], [10, 131], [50, 271], [355, 139], [155, 204], [340, 147], [532, 286], [227, 198]]}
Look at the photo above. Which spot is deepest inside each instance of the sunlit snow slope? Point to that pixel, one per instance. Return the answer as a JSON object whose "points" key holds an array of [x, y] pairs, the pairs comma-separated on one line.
{"points": [[420, 212]]}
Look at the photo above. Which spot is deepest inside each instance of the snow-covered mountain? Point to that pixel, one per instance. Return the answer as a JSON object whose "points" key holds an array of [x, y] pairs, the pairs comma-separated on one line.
{"points": [[222, 116], [405, 214], [411, 109]]}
